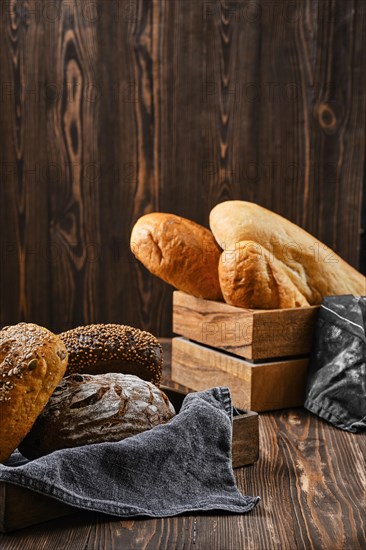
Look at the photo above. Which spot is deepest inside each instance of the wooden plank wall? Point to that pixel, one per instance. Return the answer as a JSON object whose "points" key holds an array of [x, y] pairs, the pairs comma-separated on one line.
{"points": [[110, 109]]}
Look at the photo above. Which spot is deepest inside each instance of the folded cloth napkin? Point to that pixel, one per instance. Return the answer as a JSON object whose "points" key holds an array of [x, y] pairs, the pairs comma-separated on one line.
{"points": [[336, 386], [182, 466]]}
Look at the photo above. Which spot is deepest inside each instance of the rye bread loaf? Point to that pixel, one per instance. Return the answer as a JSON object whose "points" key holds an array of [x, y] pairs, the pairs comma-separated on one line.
{"points": [[179, 251], [32, 363], [86, 409], [287, 258], [98, 349]]}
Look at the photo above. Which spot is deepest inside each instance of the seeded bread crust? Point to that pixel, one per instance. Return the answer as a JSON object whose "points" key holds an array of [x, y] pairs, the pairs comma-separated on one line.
{"points": [[98, 349], [32, 363], [86, 409]]}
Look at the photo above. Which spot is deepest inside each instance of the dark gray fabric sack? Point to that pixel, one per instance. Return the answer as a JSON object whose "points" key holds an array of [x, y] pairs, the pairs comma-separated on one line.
{"points": [[336, 386]]}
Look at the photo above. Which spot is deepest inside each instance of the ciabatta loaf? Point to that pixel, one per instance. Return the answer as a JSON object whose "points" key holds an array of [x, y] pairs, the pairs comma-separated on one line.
{"points": [[287, 260]]}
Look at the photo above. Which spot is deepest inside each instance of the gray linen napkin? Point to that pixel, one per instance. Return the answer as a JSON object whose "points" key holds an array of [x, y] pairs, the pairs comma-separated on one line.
{"points": [[181, 466], [336, 385]]}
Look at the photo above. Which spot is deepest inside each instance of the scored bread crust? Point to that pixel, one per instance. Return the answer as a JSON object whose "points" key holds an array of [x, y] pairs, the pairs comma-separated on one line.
{"points": [[103, 348], [32, 363], [301, 259], [87, 409], [179, 251]]}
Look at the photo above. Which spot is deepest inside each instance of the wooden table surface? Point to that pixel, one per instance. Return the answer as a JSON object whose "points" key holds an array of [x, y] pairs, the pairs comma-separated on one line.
{"points": [[311, 478]]}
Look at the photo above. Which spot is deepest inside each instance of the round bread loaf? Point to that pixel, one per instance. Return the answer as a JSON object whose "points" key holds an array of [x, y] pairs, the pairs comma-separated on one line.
{"points": [[179, 251], [32, 363], [87, 409], [98, 349]]}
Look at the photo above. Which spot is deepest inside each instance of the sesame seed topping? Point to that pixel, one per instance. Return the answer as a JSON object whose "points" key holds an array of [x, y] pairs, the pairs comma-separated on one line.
{"points": [[21, 345]]}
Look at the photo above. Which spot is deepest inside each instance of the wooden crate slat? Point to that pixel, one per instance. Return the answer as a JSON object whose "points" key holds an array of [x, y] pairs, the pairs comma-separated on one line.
{"points": [[254, 386], [20, 507], [248, 333]]}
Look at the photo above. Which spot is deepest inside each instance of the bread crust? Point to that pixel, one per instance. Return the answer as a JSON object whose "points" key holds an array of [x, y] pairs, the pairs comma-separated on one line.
{"points": [[32, 363], [103, 348], [86, 409], [251, 278], [179, 251], [299, 259]]}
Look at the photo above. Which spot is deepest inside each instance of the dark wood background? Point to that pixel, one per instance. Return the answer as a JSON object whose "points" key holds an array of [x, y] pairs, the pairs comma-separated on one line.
{"points": [[110, 109]]}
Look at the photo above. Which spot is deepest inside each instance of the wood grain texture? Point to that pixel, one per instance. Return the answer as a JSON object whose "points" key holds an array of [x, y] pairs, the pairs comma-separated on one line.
{"points": [[72, 122], [334, 200], [23, 191], [20, 508], [129, 164], [258, 387], [114, 108], [253, 334], [245, 443], [311, 479]]}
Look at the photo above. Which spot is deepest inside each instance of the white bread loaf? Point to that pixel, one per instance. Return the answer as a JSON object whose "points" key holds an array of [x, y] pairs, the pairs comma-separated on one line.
{"points": [[179, 251], [288, 261], [251, 278]]}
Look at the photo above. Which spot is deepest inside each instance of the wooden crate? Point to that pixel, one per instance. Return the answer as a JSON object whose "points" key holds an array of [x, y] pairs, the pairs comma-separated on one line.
{"points": [[256, 386], [21, 507], [253, 334]]}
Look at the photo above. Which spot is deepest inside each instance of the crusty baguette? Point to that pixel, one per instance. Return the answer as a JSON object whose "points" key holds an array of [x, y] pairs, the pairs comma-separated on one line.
{"points": [[311, 267], [32, 362], [179, 251]]}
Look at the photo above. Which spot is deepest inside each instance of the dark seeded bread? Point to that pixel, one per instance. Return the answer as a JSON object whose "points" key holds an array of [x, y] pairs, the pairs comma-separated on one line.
{"points": [[98, 349]]}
